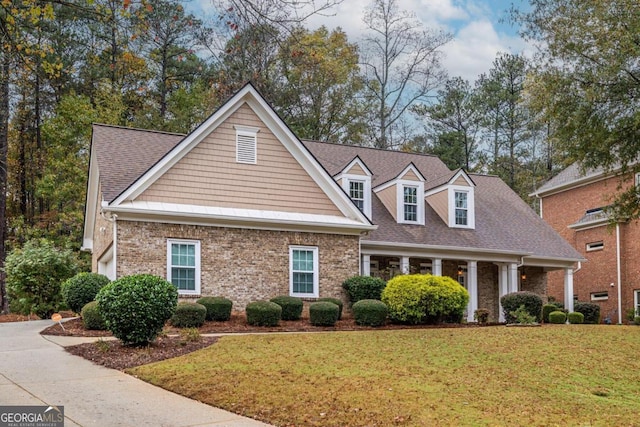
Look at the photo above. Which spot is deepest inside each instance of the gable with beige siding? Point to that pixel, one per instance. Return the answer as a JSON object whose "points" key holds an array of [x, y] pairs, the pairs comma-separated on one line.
{"points": [[410, 175], [356, 169], [461, 181], [210, 176], [440, 203], [102, 233]]}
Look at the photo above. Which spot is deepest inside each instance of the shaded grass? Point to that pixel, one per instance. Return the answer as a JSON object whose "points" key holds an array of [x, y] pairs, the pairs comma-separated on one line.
{"points": [[554, 375]]}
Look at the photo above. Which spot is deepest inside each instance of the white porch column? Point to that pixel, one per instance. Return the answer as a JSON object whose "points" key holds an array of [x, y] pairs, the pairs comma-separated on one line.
{"points": [[404, 265], [503, 287], [472, 287], [568, 289], [436, 267], [366, 265], [513, 277]]}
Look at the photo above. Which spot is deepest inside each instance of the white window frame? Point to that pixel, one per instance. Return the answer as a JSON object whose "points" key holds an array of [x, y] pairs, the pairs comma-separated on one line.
{"points": [[346, 186], [599, 296], [637, 179], [595, 246], [196, 243], [419, 186], [471, 217], [316, 271], [636, 301], [245, 137]]}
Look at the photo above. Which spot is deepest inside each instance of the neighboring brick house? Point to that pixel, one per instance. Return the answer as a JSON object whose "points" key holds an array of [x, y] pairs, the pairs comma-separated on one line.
{"points": [[242, 208], [572, 203]]}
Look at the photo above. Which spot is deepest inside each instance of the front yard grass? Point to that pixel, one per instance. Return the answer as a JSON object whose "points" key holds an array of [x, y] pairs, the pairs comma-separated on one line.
{"points": [[554, 375]]}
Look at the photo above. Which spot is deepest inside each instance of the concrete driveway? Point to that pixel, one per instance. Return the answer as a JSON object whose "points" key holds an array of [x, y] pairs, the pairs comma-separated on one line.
{"points": [[37, 371]]}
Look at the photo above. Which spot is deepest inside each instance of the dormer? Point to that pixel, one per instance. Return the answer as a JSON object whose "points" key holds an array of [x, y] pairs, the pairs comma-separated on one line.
{"points": [[454, 200], [403, 196], [355, 180]]}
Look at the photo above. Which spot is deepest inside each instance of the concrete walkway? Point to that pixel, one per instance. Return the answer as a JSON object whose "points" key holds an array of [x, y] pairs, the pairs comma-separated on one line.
{"points": [[35, 370]]}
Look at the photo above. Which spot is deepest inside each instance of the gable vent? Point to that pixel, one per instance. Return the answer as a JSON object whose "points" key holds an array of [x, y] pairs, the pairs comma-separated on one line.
{"points": [[246, 144]]}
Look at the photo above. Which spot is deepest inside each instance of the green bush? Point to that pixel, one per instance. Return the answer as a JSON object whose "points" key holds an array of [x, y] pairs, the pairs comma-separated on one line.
{"points": [[575, 318], [218, 308], [34, 274], [336, 301], [423, 298], [92, 318], [363, 287], [263, 313], [189, 315], [82, 289], [636, 320], [522, 317], [547, 309], [370, 312], [590, 311], [136, 307], [557, 317], [323, 313], [511, 302], [291, 307]]}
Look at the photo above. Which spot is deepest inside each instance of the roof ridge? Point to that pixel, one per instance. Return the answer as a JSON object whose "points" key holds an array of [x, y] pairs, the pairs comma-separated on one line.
{"points": [[413, 153], [139, 129]]}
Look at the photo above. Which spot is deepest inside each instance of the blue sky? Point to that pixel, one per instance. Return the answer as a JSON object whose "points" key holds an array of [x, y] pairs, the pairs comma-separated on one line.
{"points": [[479, 34]]}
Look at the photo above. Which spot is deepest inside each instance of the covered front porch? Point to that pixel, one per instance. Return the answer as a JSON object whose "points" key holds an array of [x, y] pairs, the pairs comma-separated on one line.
{"points": [[487, 276]]}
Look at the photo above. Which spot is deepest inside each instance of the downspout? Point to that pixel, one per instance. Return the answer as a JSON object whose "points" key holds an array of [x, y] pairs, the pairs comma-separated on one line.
{"points": [[115, 246], [619, 273]]}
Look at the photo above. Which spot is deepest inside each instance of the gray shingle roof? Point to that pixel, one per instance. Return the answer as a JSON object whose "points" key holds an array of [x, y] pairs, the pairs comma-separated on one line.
{"points": [[503, 220], [125, 154]]}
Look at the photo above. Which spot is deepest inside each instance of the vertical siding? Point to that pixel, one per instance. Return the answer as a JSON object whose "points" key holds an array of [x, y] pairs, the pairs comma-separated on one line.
{"points": [[210, 176], [440, 203], [388, 199]]}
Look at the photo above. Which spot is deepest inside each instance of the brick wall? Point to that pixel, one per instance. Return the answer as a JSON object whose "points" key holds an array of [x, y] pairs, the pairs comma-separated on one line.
{"points": [[488, 289], [241, 264], [596, 275]]}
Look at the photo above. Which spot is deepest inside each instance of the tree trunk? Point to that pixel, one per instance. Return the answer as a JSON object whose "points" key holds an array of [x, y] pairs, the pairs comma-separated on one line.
{"points": [[4, 140]]}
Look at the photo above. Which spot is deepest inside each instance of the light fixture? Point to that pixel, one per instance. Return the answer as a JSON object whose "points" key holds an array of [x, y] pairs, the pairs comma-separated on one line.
{"points": [[459, 271], [523, 276]]}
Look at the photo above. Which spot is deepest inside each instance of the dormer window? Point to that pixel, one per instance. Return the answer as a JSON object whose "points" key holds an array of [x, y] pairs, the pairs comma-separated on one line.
{"points": [[410, 203], [356, 192], [355, 180], [461, 206]]}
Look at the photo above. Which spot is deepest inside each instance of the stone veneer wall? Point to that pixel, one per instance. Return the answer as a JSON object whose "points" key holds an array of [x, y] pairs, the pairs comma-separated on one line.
{"points": [[241, 264]]}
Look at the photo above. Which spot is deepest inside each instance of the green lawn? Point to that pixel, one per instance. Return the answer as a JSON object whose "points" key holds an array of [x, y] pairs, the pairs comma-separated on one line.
{"points": [[565, 375]]}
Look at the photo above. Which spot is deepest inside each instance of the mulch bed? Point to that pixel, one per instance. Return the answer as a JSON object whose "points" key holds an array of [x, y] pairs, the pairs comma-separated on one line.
{"points": [[113, 354]]}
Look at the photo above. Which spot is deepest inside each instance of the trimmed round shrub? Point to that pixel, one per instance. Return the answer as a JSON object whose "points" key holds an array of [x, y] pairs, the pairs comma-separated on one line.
{"points": [[370, 312], [557, 317], [291, 307], [92, 318], [481, 316], [323, 313], [135, 308], [423, 298], [575, 318], [263, 313], [590, 311], [636, 320], [547, 309], [511, 303], [82, 289], [218, 308], [336, 301], [363, 287], [189, 315]]}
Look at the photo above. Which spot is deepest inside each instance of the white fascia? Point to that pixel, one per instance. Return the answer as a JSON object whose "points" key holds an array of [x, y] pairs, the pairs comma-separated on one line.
{"points": [[91, 201]]}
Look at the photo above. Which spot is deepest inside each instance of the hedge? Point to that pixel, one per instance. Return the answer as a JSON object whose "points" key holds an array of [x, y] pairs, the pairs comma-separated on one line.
{"points": [[590, 311], [363, 287], [511, 302], [323, 313], [263, 313], [82, 289], [557, 317], [370, 312], [189, 315], [336, 301], [291, 306], [218, 308], [575, 318]]}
